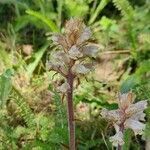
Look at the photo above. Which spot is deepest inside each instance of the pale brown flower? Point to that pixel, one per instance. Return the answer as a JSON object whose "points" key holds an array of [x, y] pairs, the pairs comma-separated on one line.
{"points": [[125, 100], [80, 69], [135, 125], [128, 115], [64, 87], [117, 139], [73, 47], [74, 52], [137, 107], [71, 50], [71, 60], [111, 114], [90, 50]]}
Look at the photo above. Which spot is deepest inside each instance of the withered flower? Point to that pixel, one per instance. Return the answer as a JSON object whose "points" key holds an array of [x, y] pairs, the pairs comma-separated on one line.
{"points": [[128, 115], [70, 60], [73, 48], [64, 87], [117, 138]]}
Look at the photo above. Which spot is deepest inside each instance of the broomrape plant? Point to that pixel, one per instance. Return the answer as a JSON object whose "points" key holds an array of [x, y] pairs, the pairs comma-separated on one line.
{"points": [[71, 60], [128, 115]]}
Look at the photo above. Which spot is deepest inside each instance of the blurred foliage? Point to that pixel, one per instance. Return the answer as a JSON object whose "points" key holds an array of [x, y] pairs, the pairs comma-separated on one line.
{"points": [[33, 114]]}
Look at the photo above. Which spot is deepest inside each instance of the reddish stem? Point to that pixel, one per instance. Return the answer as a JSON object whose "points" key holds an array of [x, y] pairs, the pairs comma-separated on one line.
{"points": [[71, 123], [119, 147]]}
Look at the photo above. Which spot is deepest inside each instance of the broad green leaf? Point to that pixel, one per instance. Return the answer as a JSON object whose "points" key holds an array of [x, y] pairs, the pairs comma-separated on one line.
{"points": [[136, 79], [143, 68], [5, 86], [129, 84], [127, 139], [44, 19], [37, 57]]}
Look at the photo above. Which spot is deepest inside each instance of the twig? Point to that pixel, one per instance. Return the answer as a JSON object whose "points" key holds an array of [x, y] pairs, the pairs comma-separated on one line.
{"points": [[116, 52]]}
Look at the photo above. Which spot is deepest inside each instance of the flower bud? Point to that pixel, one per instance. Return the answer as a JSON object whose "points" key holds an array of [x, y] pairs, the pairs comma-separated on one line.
{"points": [[90, 50], [80, 69], [74, 52], [85, 35], [64, 87], [60, 57]]}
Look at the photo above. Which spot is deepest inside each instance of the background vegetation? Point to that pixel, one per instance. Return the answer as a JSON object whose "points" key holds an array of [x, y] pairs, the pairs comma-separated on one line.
{"points": [[32, 114]]}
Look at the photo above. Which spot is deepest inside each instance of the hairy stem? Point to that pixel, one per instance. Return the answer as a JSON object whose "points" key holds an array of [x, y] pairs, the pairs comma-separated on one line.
{"points": [[71, 123]]}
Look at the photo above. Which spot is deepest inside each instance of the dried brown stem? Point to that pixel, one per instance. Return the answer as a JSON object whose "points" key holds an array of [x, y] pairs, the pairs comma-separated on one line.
{"points": [[116, 52], [71, 123]]}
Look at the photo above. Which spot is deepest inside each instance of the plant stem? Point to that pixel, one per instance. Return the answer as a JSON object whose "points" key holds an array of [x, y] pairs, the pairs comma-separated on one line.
{"points": [[122, 130], [71, 123], [119, 147]]}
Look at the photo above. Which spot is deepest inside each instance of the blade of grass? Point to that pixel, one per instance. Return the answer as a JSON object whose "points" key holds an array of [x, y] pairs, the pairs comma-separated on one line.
{"points": [[100, 7], [5, 58], [37, 56], [59, 9], [127, 139], [44, 19], [5, 86]]}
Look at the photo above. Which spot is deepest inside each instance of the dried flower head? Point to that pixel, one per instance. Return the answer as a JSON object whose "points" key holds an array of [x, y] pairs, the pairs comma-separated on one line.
{"points": [[70, 60], [128, 115], [73, 47]]}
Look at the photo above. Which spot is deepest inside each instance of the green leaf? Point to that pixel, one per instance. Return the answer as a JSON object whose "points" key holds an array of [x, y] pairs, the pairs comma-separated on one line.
{"points": [[44, 19], [37, 57], [100, 103], [127, 139], [143, 68], [5, 86], [100, 7], [125, 7], [76, 8], [129, 84], [24, 20], [136, 79]]}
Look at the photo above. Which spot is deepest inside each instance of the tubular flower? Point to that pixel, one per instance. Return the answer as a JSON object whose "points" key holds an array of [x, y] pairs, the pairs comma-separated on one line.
{"points": [[64, 87], [128, 115], [74, 52], [117, 138], [72, 48], [80, 69]]}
